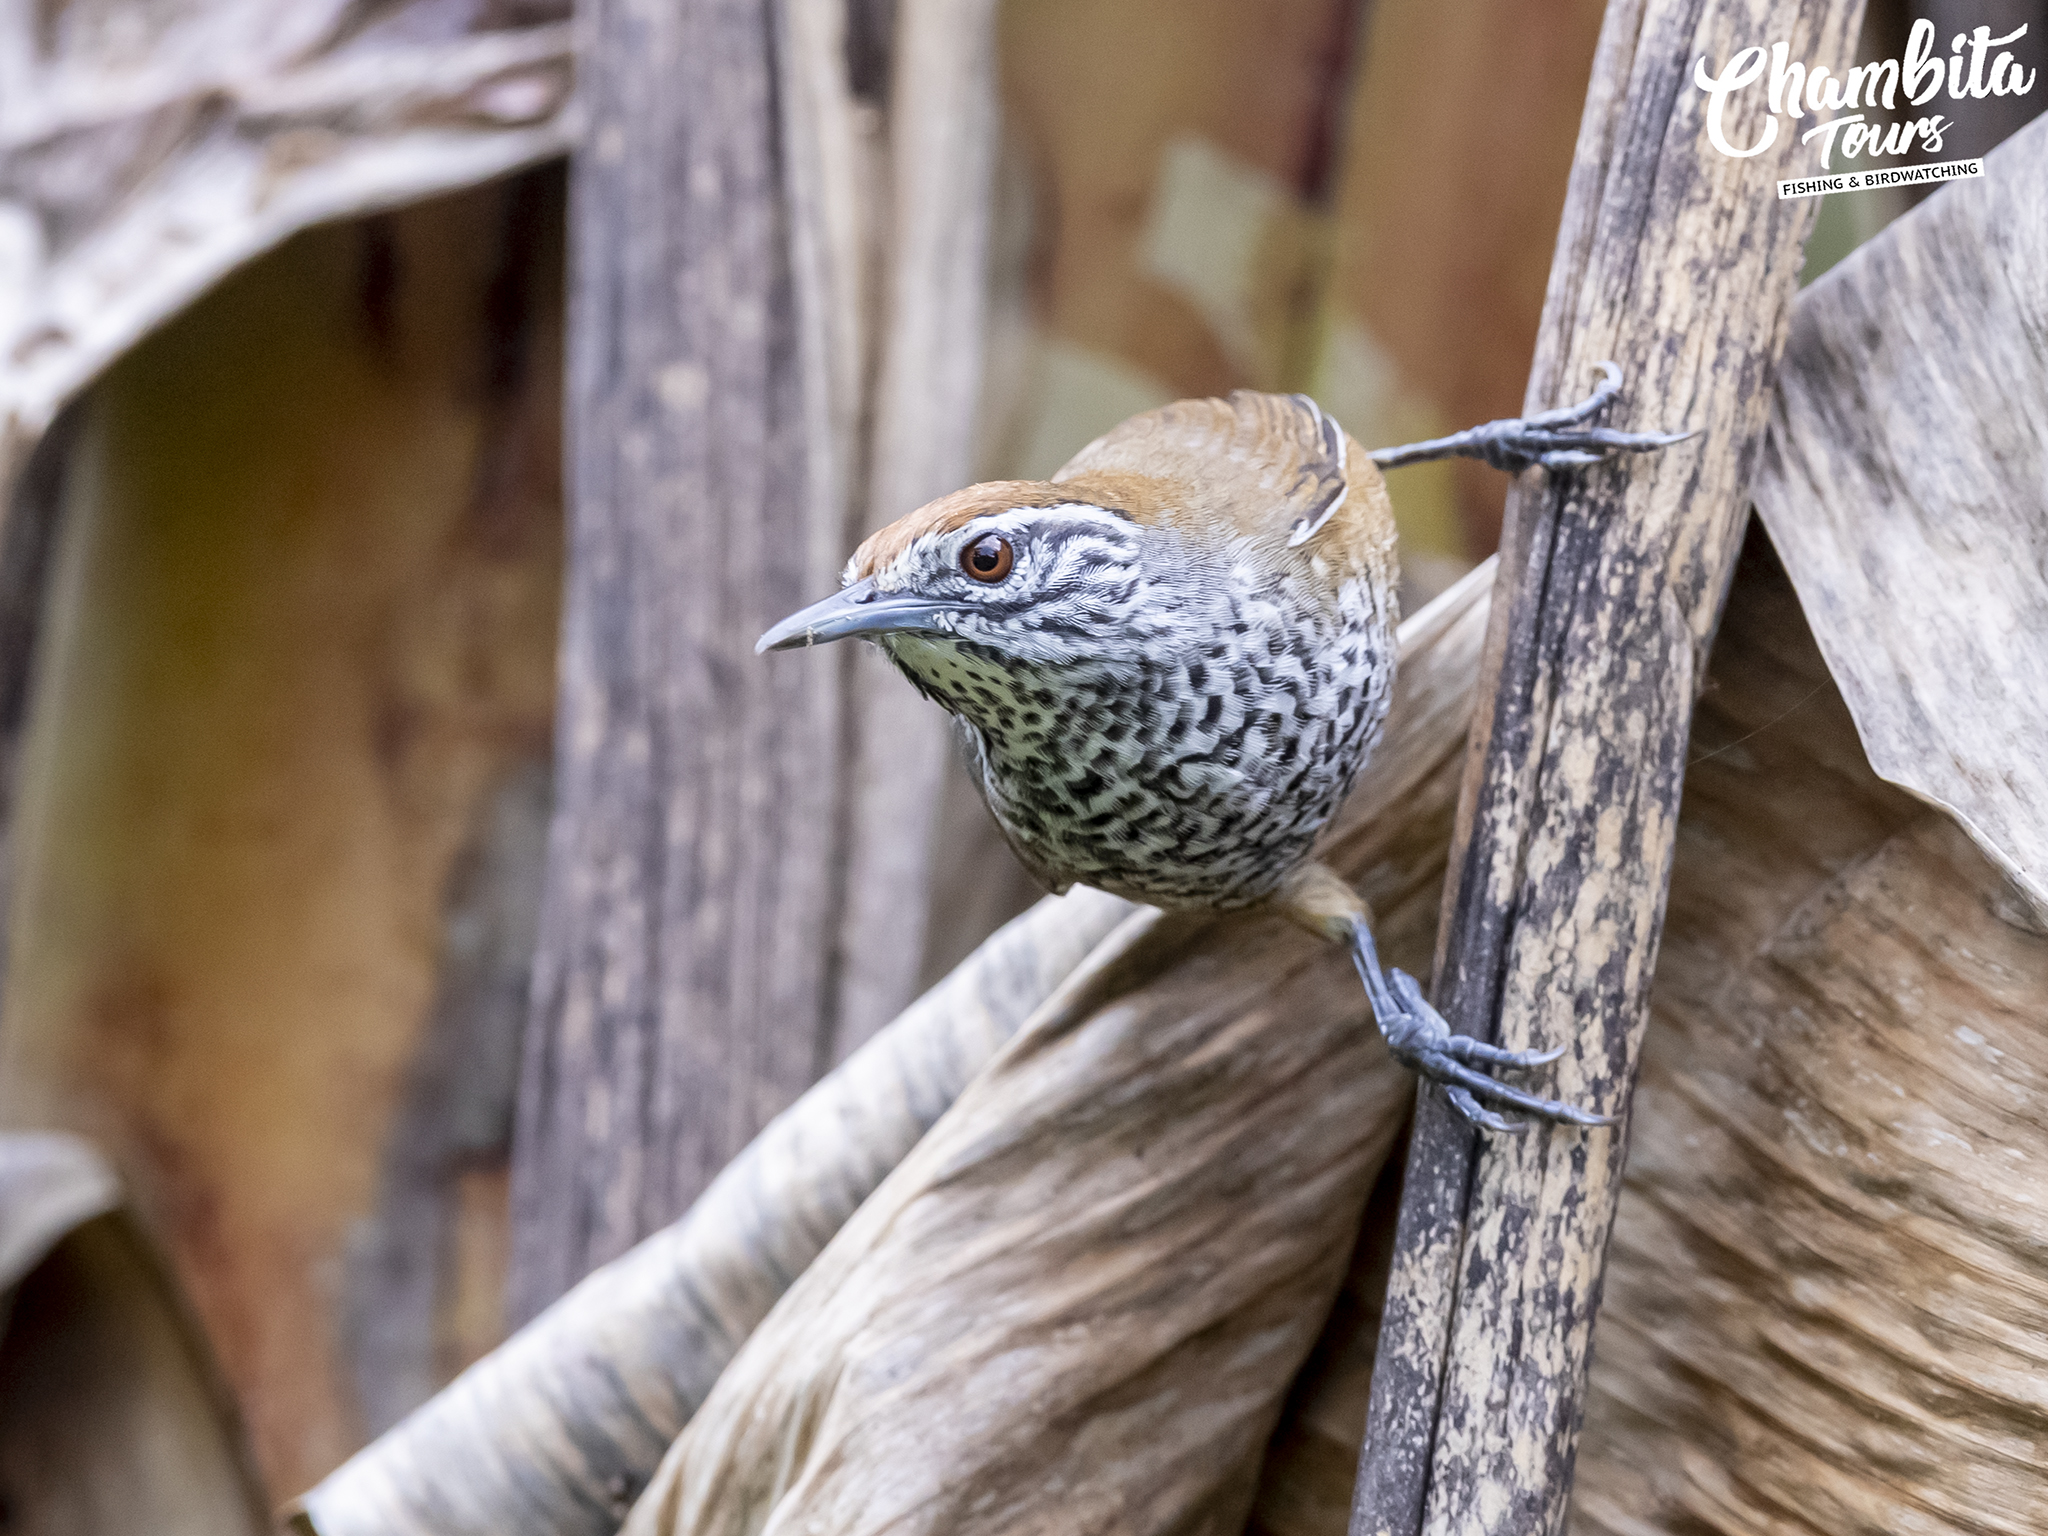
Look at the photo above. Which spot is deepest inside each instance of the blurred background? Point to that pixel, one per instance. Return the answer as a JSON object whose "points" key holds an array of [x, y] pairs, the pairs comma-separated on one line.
{"points": [[296, 300]]}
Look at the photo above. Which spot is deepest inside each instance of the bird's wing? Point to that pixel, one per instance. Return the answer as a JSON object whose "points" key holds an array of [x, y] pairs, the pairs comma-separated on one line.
{"points": [[1268, 466]]}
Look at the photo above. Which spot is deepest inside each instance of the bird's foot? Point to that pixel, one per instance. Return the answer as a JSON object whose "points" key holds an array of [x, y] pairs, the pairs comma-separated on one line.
{"points": [[1422, 1041], [1555, 439]]}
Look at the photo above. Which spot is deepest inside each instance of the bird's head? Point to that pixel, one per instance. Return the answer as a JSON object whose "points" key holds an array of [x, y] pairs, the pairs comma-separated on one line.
{"points": [[1137, 548], [1029, 570]]}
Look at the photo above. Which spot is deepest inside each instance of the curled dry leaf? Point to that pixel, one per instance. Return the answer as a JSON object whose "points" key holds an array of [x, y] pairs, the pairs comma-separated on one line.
{"points": [[146, 151], [112, 1416], [557, 1428], [1903, 482]]}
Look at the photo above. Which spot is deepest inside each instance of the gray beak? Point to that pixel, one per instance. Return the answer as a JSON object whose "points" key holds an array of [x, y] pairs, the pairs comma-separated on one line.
{"points": [[855, 610]]}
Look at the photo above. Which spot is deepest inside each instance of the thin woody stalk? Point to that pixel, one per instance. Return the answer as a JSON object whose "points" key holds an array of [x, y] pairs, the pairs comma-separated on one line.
{"points": [[1679, 262]]}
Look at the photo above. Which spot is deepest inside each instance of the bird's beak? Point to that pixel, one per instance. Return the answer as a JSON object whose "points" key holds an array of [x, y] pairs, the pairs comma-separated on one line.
{"points": [[856, 610]]}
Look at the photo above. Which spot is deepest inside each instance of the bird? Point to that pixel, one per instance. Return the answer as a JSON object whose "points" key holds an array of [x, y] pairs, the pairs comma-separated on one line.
{"points": [[1170, 661]]}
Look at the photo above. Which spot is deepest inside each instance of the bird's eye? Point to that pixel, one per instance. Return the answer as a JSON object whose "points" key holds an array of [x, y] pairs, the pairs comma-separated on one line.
{"points": [[988, 558]]}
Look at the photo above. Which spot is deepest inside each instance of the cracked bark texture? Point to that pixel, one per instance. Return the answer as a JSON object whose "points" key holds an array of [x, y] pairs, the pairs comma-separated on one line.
{"points": [[777, 298], [681, 972]]}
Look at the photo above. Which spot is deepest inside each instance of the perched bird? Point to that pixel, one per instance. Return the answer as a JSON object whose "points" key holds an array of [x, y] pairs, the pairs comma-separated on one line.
{"points": [[1172, 659]]}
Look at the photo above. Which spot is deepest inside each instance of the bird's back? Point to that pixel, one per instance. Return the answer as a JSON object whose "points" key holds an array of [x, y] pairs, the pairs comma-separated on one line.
{"points": [[1259, 466]]}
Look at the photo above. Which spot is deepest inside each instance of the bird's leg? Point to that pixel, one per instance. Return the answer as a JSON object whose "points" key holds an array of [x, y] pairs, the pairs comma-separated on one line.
{"points": [[1415, 1032], [1422, 1042], [1555, 439]]}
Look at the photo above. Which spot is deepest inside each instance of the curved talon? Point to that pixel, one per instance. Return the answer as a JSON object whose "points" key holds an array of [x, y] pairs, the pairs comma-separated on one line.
{"points": [[1463, 1102], [1465, 1048], [1448, 1071]]}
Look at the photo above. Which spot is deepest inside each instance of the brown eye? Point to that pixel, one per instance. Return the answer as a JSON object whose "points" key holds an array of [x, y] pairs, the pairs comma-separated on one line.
{"points": [[988, 558]]}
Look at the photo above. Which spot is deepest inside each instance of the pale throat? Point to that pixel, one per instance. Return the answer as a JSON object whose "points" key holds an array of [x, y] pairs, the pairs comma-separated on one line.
{"points": [[1014, 704]]}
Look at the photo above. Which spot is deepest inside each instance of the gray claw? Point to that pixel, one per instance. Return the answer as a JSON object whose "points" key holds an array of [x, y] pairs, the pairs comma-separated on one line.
{"points": [[1477, 1114], [1462, 1047], [1422, 1041], [1447, 1071], [1465, 1048], [1554, 439], [1570, 415]]}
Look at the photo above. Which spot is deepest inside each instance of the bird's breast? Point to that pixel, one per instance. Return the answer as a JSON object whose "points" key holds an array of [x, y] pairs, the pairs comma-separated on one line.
{"points": [[1194, 774]]}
